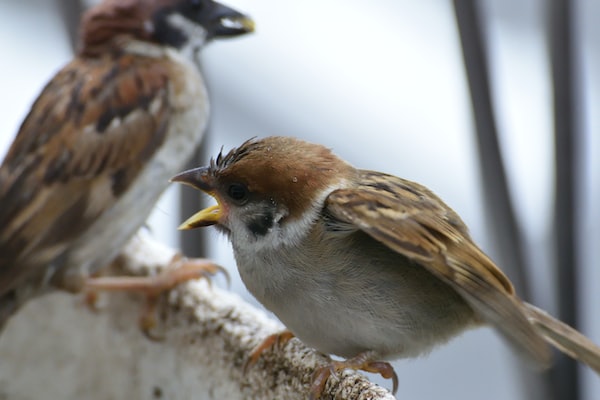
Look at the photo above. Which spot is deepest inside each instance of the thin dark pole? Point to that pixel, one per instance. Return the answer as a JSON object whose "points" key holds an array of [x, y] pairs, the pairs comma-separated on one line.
{"points": [[508, 236], [505, 229], [193, 242], [566, 135], [71, 12]]}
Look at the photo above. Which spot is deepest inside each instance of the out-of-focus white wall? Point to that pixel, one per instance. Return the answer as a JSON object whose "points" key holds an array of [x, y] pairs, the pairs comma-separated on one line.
{"points": [[382, 83], [29, 59]]}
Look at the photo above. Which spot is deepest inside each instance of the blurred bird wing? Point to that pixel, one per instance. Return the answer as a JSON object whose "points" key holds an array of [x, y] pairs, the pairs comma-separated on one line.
{"points": [[411, 220], [87, 136]]}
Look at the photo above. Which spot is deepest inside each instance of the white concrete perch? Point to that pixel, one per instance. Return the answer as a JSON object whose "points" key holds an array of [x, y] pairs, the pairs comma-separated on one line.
{"points": [[56, 348]]}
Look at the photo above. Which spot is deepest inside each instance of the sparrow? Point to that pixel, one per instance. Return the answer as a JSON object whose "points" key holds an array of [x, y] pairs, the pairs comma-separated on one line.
{"points": [[361, 264], [100, 142]]}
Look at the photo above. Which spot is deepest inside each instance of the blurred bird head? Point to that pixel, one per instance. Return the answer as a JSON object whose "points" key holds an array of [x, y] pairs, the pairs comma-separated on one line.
{"points": [[182, 24]]}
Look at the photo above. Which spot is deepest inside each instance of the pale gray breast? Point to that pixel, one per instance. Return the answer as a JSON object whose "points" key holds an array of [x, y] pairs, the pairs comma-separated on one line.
{"points": [[343, 297]]}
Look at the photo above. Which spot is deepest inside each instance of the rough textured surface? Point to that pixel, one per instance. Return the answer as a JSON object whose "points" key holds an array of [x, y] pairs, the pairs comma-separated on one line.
{"points": [[56, 348]]}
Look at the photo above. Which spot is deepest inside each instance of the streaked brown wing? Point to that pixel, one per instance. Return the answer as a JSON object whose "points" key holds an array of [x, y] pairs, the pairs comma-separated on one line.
{"points": [[410, 219], [86, 138]]}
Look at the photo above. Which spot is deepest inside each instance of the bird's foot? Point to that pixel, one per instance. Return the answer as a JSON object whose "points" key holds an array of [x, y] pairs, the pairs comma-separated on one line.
{"points": [[180, 270], [363, 361], [275, 342]]}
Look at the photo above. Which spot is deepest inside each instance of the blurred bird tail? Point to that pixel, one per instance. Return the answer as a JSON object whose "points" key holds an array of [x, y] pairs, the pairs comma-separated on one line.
{"points": [[565, 338]]}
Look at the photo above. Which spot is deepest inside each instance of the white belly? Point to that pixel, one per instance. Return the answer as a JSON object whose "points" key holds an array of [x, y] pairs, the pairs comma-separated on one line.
{"points": [[345, 309]]}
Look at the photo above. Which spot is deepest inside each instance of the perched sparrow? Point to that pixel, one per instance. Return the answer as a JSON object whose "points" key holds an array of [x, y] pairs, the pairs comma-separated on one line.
{"points": [[102, 139], [361, 264]]}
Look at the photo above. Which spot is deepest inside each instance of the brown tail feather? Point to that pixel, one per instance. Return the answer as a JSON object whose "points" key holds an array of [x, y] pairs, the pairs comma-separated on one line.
{"points": [[565, 338]]}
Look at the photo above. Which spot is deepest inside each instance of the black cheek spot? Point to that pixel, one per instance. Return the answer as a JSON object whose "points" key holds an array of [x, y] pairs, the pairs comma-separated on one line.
{"points": [[261, 224], [167, 34]]}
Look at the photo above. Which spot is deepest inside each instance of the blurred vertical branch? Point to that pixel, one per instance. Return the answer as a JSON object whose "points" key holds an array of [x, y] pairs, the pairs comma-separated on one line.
{"points": [[506, 233], [71, 11], [193, 243], [566, 137]]}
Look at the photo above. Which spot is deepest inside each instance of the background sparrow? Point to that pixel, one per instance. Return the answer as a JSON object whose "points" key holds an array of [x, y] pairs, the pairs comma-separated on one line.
{"points": [[100, 142], [361, 264]]}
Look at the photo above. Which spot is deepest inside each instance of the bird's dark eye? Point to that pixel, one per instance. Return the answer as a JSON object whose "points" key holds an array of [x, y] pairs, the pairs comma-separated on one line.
{"points": [[238, 192]]}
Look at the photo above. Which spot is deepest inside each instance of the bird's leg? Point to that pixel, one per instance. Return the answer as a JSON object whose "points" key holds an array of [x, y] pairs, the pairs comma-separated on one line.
{"points": [[180, 270], [364, 362], [275, 341]]}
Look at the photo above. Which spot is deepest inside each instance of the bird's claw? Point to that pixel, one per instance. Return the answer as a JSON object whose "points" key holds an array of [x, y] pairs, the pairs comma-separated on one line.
{"points": [[361, 362], [181, 269], [275, 341]]}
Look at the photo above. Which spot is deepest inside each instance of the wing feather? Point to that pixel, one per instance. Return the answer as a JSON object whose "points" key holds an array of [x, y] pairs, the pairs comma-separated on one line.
{"points": [[411, 220], [86, 138]]}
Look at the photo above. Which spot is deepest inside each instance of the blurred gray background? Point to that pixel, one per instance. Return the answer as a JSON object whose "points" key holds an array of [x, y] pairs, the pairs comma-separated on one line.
{"points": [[383, 84]]}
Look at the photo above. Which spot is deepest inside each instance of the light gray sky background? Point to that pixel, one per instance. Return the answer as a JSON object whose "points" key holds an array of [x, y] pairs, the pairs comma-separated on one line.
{"points": [[383, 84]]}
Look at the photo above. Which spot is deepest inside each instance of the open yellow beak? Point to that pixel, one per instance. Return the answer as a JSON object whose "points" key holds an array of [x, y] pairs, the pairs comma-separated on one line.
{"points": [[208, 216]]}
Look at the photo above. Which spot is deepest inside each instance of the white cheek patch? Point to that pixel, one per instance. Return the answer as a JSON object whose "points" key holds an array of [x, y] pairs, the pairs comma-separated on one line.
{"points": [[286, 233], [293, 232]]}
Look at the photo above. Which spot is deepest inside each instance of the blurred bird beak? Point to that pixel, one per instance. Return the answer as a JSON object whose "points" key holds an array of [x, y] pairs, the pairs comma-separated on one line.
{"points": [[227, 22], [198, 178]]}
